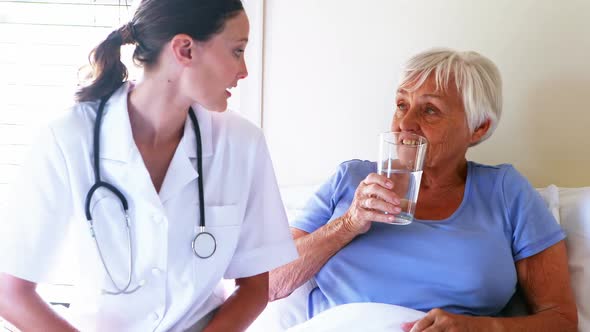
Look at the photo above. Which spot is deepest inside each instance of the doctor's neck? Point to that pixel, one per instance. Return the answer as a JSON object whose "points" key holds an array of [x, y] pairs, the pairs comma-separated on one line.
{"points": [[157, 112]]}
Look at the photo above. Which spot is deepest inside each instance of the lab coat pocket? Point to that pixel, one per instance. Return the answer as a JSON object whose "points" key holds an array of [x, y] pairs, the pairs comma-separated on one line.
{"points": [[222, 216], [224, 223]]}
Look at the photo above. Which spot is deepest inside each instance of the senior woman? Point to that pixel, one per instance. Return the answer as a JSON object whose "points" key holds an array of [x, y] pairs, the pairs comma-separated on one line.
{"points": [[480, 230]]}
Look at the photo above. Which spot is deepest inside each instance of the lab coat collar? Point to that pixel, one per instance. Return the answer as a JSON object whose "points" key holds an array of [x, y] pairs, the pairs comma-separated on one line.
{"points": [[117, 138], [182, 169], [189, 140]]}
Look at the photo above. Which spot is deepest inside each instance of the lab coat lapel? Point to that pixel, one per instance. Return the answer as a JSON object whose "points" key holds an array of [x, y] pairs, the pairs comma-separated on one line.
{"points": [[120, 158], [116, 137], [183, 167]]}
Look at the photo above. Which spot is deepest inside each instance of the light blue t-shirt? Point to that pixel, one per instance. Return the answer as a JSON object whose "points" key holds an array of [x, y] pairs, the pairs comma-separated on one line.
{"points": [[464, 264]]}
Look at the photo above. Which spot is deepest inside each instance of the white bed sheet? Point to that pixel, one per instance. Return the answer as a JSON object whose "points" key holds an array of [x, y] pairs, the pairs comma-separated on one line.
{"points": [[366, 317]]}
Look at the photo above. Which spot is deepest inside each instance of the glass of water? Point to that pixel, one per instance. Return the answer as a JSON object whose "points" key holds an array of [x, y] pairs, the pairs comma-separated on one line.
{"points": [[401, 159]]}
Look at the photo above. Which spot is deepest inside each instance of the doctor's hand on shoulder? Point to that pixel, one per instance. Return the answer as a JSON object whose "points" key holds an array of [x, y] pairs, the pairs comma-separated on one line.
{"points": [[374, 201]]}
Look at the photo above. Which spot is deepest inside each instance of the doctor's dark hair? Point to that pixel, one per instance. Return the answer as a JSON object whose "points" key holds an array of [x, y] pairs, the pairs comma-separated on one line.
{"points": [[154, 23]]}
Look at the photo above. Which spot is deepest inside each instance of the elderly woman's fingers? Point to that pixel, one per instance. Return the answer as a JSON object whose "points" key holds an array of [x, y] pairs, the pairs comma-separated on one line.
{"points": [[375, 190], [378, 216], [406, 327], [374, 203], [438, 320], [381, 180], [423, 323], [360, 215]]}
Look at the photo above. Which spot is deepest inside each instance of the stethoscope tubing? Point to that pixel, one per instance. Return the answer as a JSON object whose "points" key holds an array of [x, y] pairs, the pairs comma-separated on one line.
{"points": [[197, 129], [202, 232], [98, 183]]}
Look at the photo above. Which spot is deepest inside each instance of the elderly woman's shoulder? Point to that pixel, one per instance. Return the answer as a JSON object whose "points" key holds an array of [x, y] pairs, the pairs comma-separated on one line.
{"points": [[501, 173], [485, 168], [490, 168], [357, 166]]}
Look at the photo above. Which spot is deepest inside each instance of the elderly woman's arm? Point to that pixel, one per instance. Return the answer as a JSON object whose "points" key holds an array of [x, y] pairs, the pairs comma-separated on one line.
{"points": [[314, 251], [372, 197], [545, 281]]}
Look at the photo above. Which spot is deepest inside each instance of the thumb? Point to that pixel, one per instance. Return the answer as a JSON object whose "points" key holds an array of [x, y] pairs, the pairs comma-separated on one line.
{"points": [[406, 327]]}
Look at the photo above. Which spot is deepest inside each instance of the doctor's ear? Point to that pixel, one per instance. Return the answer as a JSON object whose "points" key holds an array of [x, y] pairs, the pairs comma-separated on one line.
{"points": [[182, 48]]}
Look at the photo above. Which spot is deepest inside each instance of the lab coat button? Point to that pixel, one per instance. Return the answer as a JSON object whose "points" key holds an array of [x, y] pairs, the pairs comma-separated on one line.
{"points": [[156, 271]]}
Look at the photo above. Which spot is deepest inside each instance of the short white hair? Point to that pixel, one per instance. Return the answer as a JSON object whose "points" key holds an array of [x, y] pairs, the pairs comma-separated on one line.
{"points": [[477, 79]]}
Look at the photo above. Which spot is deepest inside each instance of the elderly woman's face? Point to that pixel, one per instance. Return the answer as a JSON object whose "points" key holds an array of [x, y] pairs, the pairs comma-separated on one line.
{"points": [[437, 115]]}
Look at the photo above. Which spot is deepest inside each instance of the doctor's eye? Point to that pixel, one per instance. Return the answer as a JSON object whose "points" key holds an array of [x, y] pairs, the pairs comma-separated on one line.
{"points": [[238, 52]]}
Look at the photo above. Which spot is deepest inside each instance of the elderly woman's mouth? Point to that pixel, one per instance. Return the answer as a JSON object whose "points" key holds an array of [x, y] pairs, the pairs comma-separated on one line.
{"points": [[407, 141]]}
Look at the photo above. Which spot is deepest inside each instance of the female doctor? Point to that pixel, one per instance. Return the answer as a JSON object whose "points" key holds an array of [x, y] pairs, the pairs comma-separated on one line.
{"points": [[166, 193]]}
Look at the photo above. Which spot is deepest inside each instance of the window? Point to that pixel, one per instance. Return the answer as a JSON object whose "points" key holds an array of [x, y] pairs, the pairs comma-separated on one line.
{"points": [[43, 43]]}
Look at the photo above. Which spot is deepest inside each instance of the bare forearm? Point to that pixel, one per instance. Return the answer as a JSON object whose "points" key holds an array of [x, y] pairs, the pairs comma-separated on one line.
{"points": [[314, 251], [30, 313], [547, 321], [239, 310]]}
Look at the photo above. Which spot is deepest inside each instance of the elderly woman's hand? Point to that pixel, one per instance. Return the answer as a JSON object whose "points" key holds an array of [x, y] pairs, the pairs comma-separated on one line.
{"points": [[373, 197], [438, 320]]}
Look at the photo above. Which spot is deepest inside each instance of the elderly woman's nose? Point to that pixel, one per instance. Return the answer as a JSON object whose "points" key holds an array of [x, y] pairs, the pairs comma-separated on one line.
{"points": [[409, 121]]}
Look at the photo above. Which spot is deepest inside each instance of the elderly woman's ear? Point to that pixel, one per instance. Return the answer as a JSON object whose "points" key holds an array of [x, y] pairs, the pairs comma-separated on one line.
{"points": [[480, 131]]}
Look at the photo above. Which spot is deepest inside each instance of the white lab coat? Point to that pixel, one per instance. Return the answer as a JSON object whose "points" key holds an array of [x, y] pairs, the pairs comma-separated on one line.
{"points": [[243, 211]]}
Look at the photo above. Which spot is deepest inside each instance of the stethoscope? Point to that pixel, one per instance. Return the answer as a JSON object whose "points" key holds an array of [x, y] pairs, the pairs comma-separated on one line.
{"points": [[203, 244]]}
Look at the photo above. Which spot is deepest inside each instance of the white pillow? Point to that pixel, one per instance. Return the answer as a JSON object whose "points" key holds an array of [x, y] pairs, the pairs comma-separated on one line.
{"points": [[551, 197], [295, 196], [575, 220]]}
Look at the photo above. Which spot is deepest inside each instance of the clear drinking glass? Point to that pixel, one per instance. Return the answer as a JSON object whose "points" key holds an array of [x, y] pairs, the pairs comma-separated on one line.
{"points": [[401, 159]]}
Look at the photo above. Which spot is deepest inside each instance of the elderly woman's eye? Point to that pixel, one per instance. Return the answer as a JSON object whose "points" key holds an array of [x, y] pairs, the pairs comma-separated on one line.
{"points": [[430, 110], [402, 107]]}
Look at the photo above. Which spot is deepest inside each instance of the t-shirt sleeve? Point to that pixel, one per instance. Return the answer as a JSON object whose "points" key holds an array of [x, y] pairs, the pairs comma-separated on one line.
{"points": [[534, 228], [265, 241], [320, 207], [36, 213]]}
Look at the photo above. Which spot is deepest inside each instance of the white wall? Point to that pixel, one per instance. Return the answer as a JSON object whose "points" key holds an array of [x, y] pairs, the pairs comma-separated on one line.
{"points": [[331, 68]]}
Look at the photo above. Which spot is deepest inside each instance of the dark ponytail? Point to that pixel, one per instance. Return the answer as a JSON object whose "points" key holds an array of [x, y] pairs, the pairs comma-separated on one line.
{"points": [[154, 24], [107, 72]]}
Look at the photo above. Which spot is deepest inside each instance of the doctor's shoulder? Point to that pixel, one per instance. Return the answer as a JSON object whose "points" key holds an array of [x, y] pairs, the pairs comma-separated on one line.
{"points": [[235, 127], [72, 130]]}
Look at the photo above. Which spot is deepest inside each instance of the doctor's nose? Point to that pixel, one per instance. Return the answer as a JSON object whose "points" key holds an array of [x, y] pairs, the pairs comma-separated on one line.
{"points": [[243, 71], [243, 74]]}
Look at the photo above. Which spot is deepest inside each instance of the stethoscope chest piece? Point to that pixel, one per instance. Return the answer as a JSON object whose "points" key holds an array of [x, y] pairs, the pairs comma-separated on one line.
{"points": [[204, 244]]}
